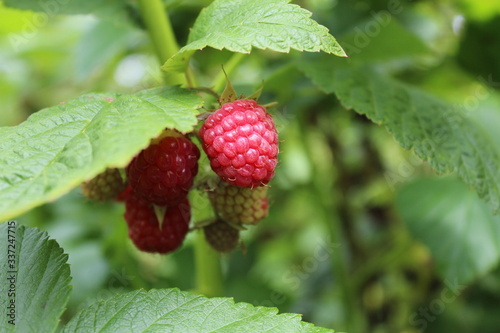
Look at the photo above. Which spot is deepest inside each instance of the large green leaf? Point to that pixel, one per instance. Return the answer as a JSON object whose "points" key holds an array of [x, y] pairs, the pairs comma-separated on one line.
{"points": [[40, 287], [171, 310], [109, 9], [239, 25], [458, 228], [438, 133], [61, 146], [391, 42]]}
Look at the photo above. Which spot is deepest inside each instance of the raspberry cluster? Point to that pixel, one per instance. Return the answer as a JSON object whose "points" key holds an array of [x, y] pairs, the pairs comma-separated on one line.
{"points": [[241, 142]]}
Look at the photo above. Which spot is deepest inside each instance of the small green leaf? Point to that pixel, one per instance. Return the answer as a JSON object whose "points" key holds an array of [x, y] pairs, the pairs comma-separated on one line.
{"points": [[459, 229], [171, 310], [437, 132], [109, 9], [40, 287], [239, 25], [59, 147]]}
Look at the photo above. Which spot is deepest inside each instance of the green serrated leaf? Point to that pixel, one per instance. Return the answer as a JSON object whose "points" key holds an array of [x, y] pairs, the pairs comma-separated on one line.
{"points": [[442, 213], [239, 25], [59, 147], [437, 132], [40, 287], [109, 9], [365, 47], [172, 310]]}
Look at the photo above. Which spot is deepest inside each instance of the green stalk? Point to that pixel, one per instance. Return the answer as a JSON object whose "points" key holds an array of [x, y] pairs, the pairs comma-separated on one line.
{"points": [[220, 80], [154, 14], [162, 35], [208, 270]]}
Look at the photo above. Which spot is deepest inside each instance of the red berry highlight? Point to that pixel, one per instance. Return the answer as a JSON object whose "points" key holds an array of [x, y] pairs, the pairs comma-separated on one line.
{"points": [[164, 172], [241, 142], [144, 228]]}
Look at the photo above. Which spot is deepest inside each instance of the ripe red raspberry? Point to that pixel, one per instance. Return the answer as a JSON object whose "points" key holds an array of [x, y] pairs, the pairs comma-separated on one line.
{"points": [[239, 205], [221, 236], [241, 142], [163, 173], [105, 186], [144, 228]]}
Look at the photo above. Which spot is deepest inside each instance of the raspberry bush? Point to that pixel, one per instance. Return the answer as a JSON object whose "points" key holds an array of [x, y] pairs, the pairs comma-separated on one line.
{"points": [[229, 148]]}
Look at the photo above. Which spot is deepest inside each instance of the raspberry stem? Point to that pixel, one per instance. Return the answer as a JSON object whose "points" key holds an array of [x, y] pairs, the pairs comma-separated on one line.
{"points": [[208, 270], [162, 35]]}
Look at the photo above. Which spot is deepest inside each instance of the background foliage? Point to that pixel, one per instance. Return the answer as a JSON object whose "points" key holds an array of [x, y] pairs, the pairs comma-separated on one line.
{"points": [[363, 236]]}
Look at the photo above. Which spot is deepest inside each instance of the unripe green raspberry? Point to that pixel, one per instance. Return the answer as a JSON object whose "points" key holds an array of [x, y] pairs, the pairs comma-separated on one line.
{"points": [[239, 205], [221, 236], [105, 186]]}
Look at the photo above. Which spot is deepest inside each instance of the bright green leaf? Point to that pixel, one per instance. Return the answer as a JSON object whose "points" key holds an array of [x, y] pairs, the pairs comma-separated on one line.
{"points": [[458, 228], [171, 310], [41, 281], [437, 132], [239, 25], [109, 9], [59, 147]]}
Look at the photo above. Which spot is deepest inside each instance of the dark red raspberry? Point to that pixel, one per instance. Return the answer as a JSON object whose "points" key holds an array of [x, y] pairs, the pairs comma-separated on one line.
{"points": [[221, 236], [144, 228], [239, 205], [163, 173], [105, 186], [123, 195], [241, 142]]}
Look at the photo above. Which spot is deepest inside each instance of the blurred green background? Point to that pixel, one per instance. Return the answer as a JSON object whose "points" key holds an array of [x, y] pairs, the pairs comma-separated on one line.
{"points": [[362, 236]]}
